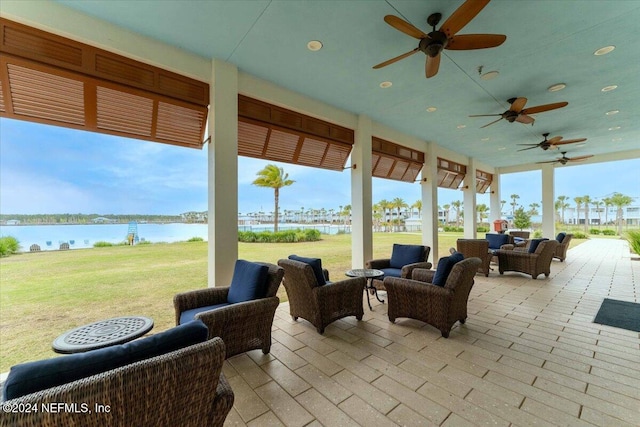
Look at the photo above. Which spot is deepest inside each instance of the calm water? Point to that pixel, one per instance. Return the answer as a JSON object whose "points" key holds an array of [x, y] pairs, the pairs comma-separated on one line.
{"points": [[49, 237]]}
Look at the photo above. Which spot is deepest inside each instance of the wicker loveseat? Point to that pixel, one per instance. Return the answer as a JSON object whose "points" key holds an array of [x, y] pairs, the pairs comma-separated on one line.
{"points": [[183, 387], [534, 261], [243, 326]]}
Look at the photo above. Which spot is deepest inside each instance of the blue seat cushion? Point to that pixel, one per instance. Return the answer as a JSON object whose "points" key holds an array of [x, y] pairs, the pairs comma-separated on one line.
{"points": [[249, 282], [392, 272], [497, 240], [316, 265], [406, 254], [534, 244], [189, 315], [560, 237], [31, 377], [445, 265]]}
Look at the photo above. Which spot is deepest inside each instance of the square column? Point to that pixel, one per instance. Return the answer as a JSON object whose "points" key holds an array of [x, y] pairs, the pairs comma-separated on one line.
{"points": [[361, 195], [223, 174], [548, 201], [429, 190], [469, 198], [495, 208]]}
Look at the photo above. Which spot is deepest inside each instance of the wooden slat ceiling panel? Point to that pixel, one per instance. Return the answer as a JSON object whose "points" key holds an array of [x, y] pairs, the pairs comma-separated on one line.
{"points": [[336, 157], [35, 46], [399, 170], [281, 146], [251, 139], [483, 181], [2, 109], [394, 161], [312, 152], [180, 124], [124, 112], [383, 167], [38, 94]]}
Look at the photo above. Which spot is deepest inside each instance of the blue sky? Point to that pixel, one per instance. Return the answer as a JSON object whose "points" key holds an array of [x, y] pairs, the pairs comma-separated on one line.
{"points": [[46, 169]]}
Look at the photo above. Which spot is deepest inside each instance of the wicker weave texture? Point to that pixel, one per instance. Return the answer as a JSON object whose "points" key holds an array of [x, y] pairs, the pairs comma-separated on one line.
{"points": [[243, 326], [320, 305], [561, 249], [535, 264], [438, 306], [478, 248], [185, 387]]}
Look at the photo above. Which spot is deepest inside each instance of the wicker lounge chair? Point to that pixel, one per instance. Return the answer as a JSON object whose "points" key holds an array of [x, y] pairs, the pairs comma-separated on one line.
{"points": [[478, 248], [243, 326], [185, 387], [400, 264], [439, 306], [320, 304], [561, 250], [524, 261]]}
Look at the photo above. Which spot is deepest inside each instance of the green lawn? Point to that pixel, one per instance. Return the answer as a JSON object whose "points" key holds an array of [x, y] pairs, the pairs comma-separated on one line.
{"points": [[46, 293]]}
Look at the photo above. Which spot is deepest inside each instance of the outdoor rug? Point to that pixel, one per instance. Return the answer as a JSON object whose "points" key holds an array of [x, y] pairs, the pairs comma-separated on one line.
{"points": [[619, 314]]}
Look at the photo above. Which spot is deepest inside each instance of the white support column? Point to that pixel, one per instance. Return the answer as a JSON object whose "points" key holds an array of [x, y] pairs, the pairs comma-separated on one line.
{"points": [[223, 174], [495, 208], [469, 197], [361, 195], [430, 222], [548, 200]]}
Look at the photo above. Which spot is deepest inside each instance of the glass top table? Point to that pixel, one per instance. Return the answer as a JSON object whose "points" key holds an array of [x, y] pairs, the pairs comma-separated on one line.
{"points": [[104, 333], [370, 275]]}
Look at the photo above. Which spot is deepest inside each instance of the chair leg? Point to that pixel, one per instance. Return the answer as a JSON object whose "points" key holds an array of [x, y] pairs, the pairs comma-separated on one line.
{"points": [[359, 317], [445, 334], [320, 330], [266, 349], [295, 318], [392, 319], [463, 320]]}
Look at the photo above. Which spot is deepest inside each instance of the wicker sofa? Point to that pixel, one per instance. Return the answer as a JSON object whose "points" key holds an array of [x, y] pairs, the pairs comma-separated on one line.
{"points": [[534, 262], [184, 387], [243, 326]]}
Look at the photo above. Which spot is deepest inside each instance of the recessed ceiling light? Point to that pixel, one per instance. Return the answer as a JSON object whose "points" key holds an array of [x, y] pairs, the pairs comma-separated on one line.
{"points": [[609, 88], [385, 85], [556, 87], [502, 148], [614, 128], [616, 139], [431, 109], [489, 75], [581, 145], [612, 112], [604, 50], [485, 139], [461, 126], [314, 45]]}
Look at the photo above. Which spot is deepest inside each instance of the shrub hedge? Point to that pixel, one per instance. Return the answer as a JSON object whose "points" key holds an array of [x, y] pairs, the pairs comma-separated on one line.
{"points": [[9, 245], [609, 232], [633, 237], [288, 236]]}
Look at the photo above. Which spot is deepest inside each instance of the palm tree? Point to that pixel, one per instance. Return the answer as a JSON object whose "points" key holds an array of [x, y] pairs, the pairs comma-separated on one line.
{"points": [[347, 214], [563, 205], [597, 204], [457, 205], [398, 204], [620, 201], [514, 203], [273, 177], [578, 201], [418, 205], [607, 204], [587, 201], [502, 203], [533, 209], [482, 210], [446, 213]]}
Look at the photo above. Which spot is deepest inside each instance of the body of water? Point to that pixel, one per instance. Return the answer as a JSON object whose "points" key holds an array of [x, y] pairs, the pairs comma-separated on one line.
{"points": [[50, 237]]}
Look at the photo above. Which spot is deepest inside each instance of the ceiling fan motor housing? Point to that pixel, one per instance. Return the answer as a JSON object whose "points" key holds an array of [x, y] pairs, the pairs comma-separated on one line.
{"points": [[433, 44]]}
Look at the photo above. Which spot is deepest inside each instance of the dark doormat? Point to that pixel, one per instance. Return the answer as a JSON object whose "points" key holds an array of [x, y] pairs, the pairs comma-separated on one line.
{"points": [[619, 314]]}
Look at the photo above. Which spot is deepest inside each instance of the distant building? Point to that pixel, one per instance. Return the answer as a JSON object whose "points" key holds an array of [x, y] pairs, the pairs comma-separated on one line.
{"points": [[13, 222], [102, 220]]}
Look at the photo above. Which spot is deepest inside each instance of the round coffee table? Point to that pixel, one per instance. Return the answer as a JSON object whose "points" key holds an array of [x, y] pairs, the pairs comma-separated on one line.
{"points": [[369, 274], [101, 334]]}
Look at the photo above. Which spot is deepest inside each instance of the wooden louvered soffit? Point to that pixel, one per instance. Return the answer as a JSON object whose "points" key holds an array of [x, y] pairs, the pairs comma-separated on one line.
{"points": [[483, 181], [266, 131], [393, 161], [450, 174], [50, 79]]}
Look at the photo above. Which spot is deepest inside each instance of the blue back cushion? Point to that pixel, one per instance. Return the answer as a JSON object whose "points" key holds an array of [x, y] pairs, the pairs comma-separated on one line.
{"points": [[560, 237], [316, 265], [35, 376], [249, 282], [534, 244], [497, 240], [445, 265], [406, 254]]}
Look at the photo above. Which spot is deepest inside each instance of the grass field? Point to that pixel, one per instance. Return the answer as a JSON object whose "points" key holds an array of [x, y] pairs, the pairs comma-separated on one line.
{"points": [[46, 293]]}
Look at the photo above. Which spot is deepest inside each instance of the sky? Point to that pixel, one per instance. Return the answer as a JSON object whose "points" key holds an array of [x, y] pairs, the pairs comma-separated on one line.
{"points": [[47, 169]]}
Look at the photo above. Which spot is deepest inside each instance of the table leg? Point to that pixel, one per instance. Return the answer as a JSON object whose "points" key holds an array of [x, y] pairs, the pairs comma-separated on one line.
{"points": [[370, 288]]}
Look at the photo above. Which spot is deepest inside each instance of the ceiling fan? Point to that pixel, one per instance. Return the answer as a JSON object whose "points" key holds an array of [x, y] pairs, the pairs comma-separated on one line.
{"points": [[517, 112], [433, 43], [552, 143], [564, 159]]}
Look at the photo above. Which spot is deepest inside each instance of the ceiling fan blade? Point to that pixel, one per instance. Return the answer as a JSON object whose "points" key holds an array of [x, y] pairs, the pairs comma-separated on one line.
{"points": [[397, 58], [554, 140], [535, 145], [432, 65], [485, 115], [569, 141], [542, 108], [462, 16], [577, 159], [518, 104], [549, 161], [529, 148], [403, 26], [523, 118], [475, 41], [488, 124]]}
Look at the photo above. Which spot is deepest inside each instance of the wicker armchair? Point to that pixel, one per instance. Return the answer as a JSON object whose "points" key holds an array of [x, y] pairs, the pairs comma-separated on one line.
{"points": [[386, 265], [478, 248], [243, 326], [536, 263], [320, 305], [563, 245], [185, 387], [438, 306]]}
